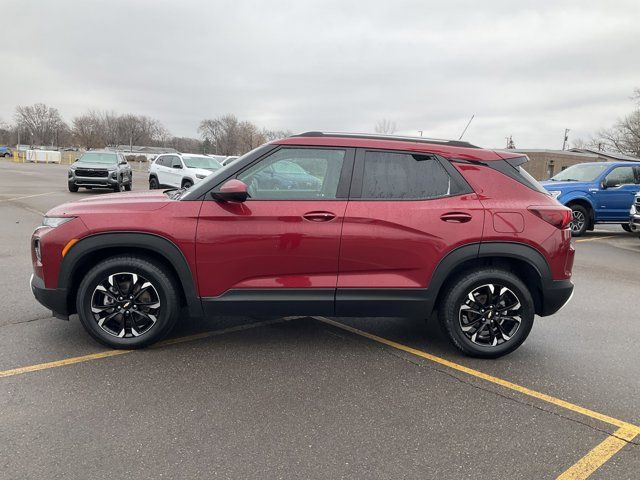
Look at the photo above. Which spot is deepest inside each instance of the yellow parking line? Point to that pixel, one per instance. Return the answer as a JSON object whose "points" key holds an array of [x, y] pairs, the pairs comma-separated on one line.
{"points": [[112, 353], [580, 470], [599, 455], [593, 239], [484, 376]]}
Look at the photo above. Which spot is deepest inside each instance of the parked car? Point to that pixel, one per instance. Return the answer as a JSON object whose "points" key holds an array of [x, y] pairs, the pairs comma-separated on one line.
{"points": [[5, 152], [634, 215], [180, 170], [597, 192], [393, 227], [100, 169]]}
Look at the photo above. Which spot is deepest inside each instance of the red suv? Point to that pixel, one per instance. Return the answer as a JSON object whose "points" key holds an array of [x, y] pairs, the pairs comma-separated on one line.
{"points": [[318, 224]]}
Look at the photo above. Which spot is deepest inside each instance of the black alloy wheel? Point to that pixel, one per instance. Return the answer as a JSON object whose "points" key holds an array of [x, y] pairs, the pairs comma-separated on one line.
{"points": [[128, 302]]}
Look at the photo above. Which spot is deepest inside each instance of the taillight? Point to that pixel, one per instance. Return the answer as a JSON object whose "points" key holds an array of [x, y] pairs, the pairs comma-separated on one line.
{"points": [[556, 215]]}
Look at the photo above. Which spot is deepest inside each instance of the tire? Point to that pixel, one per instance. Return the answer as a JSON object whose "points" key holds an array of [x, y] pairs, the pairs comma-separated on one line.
{"points": [[119, 273], [626, 227], [128, 186], [580, 220], [153, 183], [73, 187], [187, 184], [465, 329], [118, 187]]}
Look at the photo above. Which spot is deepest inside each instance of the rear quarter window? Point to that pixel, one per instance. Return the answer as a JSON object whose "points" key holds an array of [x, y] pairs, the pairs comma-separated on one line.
{"points": [[512, 167]]}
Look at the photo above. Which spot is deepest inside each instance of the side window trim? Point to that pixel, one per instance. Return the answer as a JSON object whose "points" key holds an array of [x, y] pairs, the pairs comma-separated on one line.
{"points": [[342, 192], [357, 179]]}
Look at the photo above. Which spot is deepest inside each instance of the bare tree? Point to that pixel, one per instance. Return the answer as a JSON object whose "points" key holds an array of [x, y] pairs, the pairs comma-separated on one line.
{"points": [[88, 130], [385, 126], [271, 135], [42, 124], [222, 132], [624, 136]]}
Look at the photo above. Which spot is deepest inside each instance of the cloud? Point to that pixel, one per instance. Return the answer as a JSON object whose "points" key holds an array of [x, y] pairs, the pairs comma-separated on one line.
{"points": [[529, 68]]}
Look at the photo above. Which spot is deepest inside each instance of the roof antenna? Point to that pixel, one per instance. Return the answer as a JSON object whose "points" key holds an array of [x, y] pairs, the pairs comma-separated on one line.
{"points": [[465, 128]]}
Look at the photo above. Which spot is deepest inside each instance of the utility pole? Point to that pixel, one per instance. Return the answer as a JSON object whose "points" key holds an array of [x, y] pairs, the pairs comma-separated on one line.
{"points": [[566, 138]]}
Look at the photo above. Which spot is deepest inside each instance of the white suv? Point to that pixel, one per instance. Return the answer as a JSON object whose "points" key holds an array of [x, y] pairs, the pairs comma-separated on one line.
{"points": [[180, 170]]}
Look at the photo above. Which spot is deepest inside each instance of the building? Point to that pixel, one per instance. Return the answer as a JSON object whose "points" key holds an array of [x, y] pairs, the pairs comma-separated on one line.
{"points": [[544, 164], [608, 156]]}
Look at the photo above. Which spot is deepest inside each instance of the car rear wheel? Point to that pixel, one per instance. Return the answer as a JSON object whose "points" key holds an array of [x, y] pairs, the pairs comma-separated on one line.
{"points": [[487, 312], [128, 302], [626, 227], [579, 220], [153, 183], [187, 184]]}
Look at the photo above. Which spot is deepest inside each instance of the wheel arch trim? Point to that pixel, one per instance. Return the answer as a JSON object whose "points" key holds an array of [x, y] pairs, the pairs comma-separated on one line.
{"points": [[151, 242], [474, 251]]}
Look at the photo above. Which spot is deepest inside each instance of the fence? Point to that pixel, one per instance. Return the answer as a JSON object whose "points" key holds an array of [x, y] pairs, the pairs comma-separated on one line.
{"points": [[138, 163]]}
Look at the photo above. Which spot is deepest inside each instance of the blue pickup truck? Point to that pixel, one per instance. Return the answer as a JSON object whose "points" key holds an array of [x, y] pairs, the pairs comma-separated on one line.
{"points": [[599, 192]]}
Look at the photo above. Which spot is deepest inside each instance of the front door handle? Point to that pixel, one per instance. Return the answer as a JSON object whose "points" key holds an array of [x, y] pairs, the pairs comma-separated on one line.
{"points": [[319, 216], [455, 217]]}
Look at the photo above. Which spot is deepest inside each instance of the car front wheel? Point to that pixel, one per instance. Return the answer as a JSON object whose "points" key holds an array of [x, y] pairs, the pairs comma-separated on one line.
{"points": [[626, 227], [73, 187], [187, 184], [487, 312], [153, 183], [128, 302]]}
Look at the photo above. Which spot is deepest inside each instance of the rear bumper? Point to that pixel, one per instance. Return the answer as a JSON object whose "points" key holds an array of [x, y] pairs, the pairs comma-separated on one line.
{"points": [[555, 295], [54, 299]]}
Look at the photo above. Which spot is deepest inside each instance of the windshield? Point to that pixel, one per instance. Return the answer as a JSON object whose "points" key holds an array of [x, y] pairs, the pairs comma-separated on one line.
{"points": [[201, 162], [98, 157], [583, 172]]}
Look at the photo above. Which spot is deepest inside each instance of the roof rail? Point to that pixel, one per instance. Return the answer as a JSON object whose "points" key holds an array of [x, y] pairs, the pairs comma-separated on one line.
{"points": [[374, 136]]}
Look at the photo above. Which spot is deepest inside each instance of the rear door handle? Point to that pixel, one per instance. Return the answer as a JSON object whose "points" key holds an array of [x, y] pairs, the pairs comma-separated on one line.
{"points": [[319, 216], [455, 217]]}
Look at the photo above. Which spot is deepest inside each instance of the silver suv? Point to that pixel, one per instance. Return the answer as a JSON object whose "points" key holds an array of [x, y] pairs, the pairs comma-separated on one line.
{"points": [[100, 169]]}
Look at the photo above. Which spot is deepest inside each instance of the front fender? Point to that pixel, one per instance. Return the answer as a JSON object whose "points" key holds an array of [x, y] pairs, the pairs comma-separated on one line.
{"points": [[581, 195]]}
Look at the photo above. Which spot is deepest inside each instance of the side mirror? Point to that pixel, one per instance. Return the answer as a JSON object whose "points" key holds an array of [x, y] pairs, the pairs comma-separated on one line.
{"points": [[76, 160], [231, 191], [609, 183]]}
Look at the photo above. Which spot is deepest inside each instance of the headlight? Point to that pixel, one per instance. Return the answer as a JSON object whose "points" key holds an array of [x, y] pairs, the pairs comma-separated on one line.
{"points": [[633, 210], [201, 175], [555, 193], [54, 222]]}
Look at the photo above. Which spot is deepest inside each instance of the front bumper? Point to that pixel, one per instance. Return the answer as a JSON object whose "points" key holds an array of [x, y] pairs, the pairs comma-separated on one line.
{"points": [[555, 295], [634, 223], [93, 181], [54, 299]]}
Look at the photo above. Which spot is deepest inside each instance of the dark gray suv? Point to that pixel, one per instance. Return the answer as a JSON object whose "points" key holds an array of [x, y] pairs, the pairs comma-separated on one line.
{"points": [[101, 169]]}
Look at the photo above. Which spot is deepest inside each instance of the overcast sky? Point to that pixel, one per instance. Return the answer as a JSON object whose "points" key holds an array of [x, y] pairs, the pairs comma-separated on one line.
{"points": [[524, 68]]}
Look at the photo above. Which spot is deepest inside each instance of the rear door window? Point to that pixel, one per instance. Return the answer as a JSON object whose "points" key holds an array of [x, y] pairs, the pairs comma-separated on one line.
{"points": [[406, 176]]}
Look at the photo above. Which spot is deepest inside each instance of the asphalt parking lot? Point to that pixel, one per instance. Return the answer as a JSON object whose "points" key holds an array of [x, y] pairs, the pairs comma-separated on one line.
{"points": [[313, 397]]}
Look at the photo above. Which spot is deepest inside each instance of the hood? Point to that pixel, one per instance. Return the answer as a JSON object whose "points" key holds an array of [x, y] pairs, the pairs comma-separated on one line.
{"points": [[549, 185], [202, 171], [97, 166], [145, 201]]}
